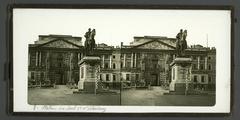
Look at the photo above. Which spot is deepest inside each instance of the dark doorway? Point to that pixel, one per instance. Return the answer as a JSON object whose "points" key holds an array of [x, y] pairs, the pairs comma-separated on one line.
{"points": [[59, 79], [154, 79]]}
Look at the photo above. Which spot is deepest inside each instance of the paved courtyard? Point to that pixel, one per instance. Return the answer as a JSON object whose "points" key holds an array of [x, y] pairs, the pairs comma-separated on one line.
{"points": [[63, 96], [155, 97]]}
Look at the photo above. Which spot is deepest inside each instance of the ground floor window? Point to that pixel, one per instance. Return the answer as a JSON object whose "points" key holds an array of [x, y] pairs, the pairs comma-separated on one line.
{"points": [[127, 77], [114, 77], [107, 77], [32, 75], [195, 78], [203, 79], [209, 79]]}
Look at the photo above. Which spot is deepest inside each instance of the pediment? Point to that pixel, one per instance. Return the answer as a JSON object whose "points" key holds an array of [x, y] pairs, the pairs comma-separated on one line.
{"points": [[60, 44], [155, 45]]}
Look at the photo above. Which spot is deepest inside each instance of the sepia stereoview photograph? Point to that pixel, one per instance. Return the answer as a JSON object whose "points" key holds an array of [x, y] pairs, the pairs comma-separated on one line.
{"points": [[116, 57]]}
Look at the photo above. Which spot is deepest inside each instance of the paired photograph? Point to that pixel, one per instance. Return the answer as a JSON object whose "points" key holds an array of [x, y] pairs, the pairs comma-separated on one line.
{"points": [[132, 58]]}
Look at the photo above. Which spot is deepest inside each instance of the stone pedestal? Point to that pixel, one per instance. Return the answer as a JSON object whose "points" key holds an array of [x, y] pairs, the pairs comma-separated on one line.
{"points": [[88, 74], [181, 75]]}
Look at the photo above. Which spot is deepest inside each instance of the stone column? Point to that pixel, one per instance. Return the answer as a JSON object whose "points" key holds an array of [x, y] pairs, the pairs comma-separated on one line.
{"points": [[47, 66], [124, 60], [110, 64], [78, 58], [36, 58], [40, 58], [205, 63], [70, 67], [29, 59], [132, 60], [135, 59], [198, 60], [103, 61]]}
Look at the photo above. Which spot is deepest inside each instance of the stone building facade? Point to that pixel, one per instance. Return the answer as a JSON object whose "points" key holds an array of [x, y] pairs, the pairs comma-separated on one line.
{"points": [[53, 59]]}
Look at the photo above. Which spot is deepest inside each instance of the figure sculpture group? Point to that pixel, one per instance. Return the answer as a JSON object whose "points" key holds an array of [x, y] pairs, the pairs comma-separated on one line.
{"points": [[181, 43], [90, 41]]}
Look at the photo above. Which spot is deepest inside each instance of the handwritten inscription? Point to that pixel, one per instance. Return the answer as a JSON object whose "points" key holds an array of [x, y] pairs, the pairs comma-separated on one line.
{"points": [[69, 108]]}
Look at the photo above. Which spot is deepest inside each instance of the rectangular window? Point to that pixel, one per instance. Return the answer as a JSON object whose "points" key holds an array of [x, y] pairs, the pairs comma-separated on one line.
{"points": [[201, 66], [106, 65], [121, 65], [121, 56], [129, 55], [32, 75], [209, 79], [107, 77], [194, 57], [194, 66], [209, 67], [114, 77], [195, 79], [42, 76], [100, 77], [106, 57], [127, 77], [128, 64], [202, 79], [137, 77]]}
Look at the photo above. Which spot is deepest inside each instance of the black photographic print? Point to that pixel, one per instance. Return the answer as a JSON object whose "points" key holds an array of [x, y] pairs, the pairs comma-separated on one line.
{"points": [[121, 60]]}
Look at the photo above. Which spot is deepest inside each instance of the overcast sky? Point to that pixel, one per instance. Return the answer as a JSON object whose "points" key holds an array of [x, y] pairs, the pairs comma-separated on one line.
{"points": [[115, 26]]}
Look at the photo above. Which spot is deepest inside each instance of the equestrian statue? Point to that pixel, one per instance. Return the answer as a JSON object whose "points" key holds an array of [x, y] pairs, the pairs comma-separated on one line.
{"points": [[181, 43], [89, 44]]}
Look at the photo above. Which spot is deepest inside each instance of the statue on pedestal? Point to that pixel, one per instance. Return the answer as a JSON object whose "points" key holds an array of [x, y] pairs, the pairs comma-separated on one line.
{"points": [[90, 42], [181, 43]]}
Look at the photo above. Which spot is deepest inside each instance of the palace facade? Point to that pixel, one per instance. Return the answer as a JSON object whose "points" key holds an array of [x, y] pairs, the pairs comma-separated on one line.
{"points": [[53, 59]]}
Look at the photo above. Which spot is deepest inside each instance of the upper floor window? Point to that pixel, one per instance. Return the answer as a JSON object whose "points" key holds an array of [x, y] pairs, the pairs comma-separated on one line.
{"points": [[106, 57], [209, 67], [194, 57], [194, 66], [128, 64], [195, 79], [209, 57], [201, 66], [113, 56], [106, 65], [201, 57], [121, 64], [114, 66], [129, 55]]}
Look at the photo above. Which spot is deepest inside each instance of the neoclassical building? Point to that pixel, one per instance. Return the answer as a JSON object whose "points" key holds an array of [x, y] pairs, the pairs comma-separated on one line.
{"points": [[53, 59]]}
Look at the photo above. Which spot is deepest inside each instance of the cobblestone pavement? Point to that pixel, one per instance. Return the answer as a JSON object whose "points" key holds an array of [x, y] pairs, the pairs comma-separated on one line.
{"points": [[155, 97], [63, 96]]}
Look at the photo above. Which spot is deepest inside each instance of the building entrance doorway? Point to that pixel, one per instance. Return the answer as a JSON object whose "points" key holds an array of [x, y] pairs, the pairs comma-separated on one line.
{"points": [[154, 79], [59, 79]]}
